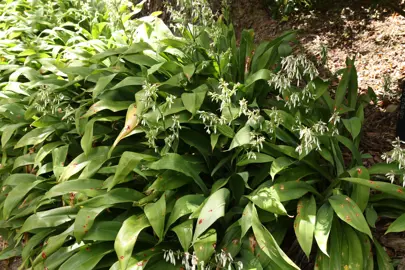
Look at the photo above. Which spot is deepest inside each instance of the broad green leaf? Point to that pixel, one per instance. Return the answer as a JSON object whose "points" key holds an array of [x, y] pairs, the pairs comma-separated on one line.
{"points": [[219, 184], [353, 125], [156, 214], [35, 136], [16, 195], [204, 245], [24, 160], [183, 206], [82, 160], [355, 250], [50, 218], [7, 132], [178, 163], [383, 260], [140, 59], [242, 137], [189, 70], [20, 178], [170, 180], [107, 104], [323, 225], [371, 216], [74, 186], [292, 190], [368, 261], [214, 140], [212, 210], [322, 261], [184, 232], [268, 200], [87, 139], [246, 220], [348, 211], [259, 158], [335, 245], [58, 160], [268, 244], [193, 101], [10, 252], [44, 151], [388, 188], [384, 168], [263, 74], [128, 162], [87, 258], [342, 88], [398, 225], [115, 196], [84, 221], [53, 244], [226, 130], [304, 223], [103, 231], [34, 241], [127, 236], [129, 81], [279, 164], [360, 194], [284, 49], [102, 84]]}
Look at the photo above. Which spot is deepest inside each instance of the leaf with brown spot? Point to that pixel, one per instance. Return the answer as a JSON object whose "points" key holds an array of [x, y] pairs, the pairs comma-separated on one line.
{"points": [[350, 213]]}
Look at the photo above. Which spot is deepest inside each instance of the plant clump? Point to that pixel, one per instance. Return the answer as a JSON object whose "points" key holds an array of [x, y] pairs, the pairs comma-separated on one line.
{"points": [[129, 144]]}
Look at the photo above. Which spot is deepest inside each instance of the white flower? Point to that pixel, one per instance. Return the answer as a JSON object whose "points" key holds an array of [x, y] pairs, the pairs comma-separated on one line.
{"points": [[335, 118], [391, 176]]}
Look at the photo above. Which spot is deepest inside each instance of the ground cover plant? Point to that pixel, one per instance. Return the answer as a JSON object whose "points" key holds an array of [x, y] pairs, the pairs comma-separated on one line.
{"points": [[131, 144]]}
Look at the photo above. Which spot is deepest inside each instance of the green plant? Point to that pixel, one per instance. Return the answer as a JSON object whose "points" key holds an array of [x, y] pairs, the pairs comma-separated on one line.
{"points": [[132, 147], [282, 9]]}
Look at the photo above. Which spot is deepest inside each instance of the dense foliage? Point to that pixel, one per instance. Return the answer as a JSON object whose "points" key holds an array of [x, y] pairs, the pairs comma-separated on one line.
{"points": [[128, 145]]}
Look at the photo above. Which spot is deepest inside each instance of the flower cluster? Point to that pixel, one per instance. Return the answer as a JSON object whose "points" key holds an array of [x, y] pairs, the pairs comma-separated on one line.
{"points": [[397, 154], [190, 261], [291, 75], [309, 137], [150, 95], [225, 95], [211, 120]]}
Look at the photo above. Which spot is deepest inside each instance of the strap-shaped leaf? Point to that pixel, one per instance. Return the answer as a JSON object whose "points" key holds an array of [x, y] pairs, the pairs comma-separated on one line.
{"points": [[16, 195], [88, 257], [269, 200], [268, 244], [128, 162], [204, 245], [156, 214], [348, 211], [398, 225], [127, 236], [35, 136], [304, 224], [178, 163], [84, 221], [394, 190], [279, 165], [183, 206], [242, 137], [323, 225], [355, 251], [212, 210], [184, 232]]}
